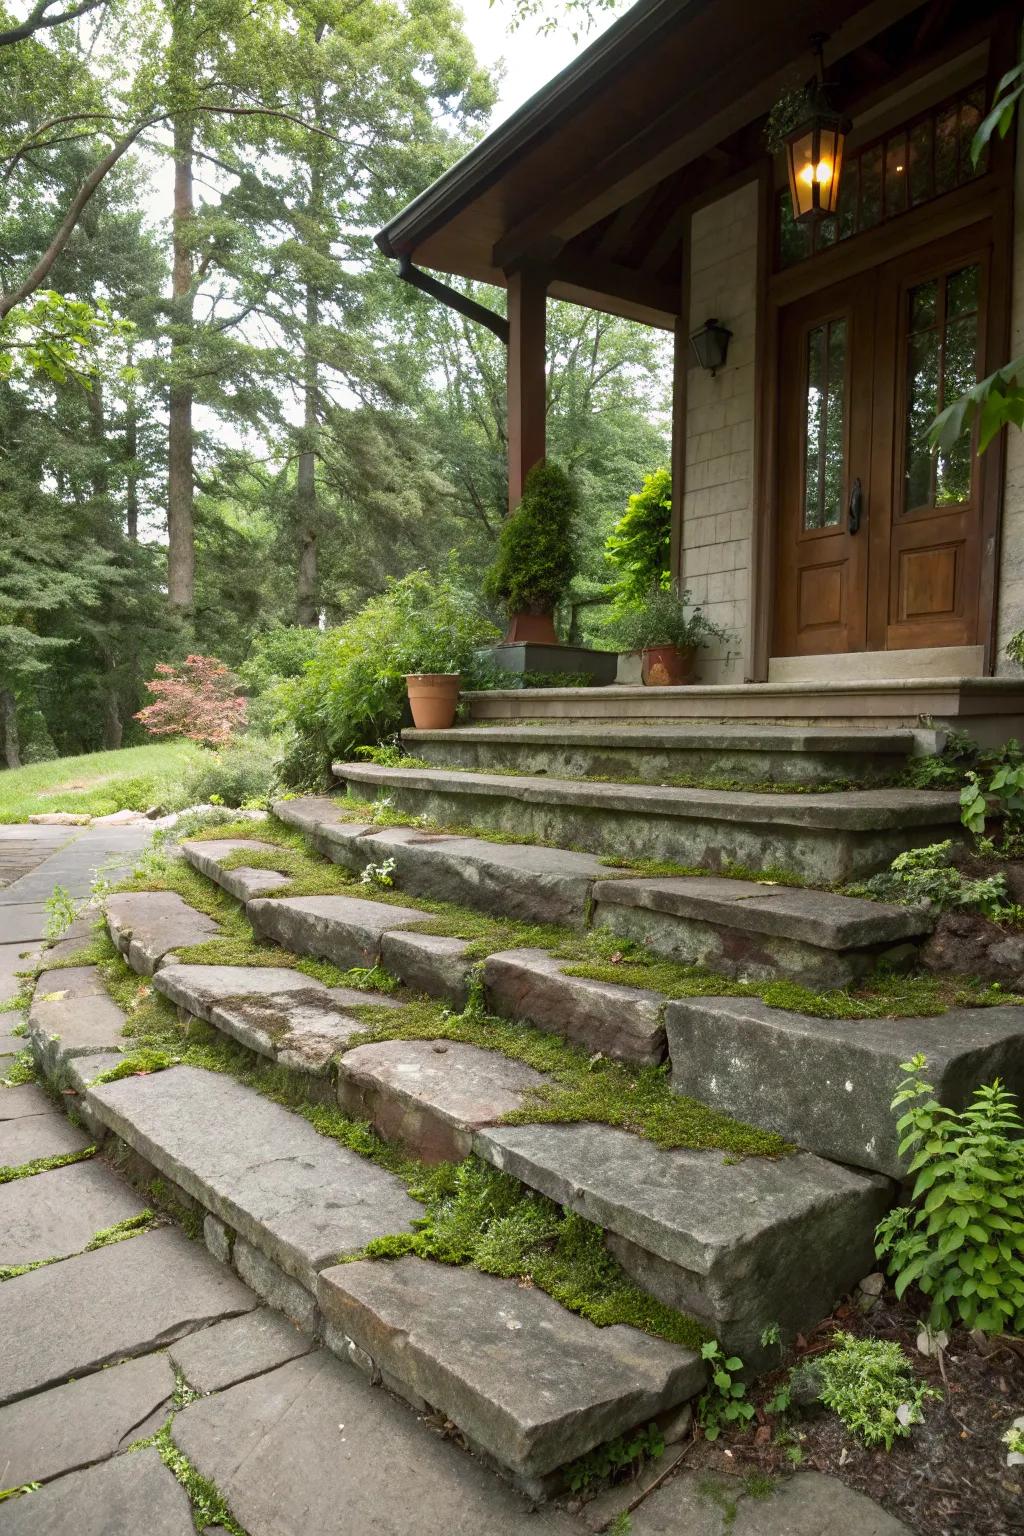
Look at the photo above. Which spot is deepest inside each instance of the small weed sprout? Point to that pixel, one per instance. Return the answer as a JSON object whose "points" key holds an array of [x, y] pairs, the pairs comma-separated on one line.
{"points": [[382, 874], [615, 1458], [1014, 1442], [61, 911], [724, 1402]]}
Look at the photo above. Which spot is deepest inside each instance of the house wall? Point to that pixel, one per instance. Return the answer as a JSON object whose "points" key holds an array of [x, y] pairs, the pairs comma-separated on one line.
{"points": [[1011, 561], [717, 511]]}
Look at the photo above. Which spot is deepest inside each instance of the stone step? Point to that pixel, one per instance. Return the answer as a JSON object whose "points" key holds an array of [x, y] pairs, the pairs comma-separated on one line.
{"points": [[146, 925], [243, 882], [529, 1384], [299, 1199], [736, 1243], [760, 931], [838, 1076], [72, 1015], [653, 753], [823, 838]]}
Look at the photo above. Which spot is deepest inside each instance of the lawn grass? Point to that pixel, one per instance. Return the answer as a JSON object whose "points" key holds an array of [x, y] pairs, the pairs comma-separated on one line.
{"points": [[96, 783]]}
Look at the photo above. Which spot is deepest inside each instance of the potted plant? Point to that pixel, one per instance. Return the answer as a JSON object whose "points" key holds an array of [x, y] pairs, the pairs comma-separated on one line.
{"points": [[439, 642], [668, 633], [536, 557]]}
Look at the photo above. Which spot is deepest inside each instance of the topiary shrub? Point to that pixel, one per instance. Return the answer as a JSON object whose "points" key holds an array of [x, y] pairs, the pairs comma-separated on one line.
{"points": [[537, 556], [639, 545]]}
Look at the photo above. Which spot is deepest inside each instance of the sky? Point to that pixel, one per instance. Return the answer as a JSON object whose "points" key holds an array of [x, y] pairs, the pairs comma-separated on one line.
{"points": [[530, 60]]}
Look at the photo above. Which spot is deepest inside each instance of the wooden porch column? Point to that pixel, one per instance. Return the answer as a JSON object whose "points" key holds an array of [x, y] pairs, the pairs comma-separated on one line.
{"points": [[680, 364], [527, 376]]}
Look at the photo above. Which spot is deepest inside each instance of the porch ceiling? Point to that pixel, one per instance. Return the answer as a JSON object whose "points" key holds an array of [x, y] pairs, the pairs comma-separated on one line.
{"points": [[591, 177]]}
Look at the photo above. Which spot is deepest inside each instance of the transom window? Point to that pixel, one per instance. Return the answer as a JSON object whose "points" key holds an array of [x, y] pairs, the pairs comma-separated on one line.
{"points": [[920, 160]]}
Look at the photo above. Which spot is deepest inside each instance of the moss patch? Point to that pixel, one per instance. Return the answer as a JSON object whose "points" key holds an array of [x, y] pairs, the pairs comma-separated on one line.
{"points": [[44, 1165]]}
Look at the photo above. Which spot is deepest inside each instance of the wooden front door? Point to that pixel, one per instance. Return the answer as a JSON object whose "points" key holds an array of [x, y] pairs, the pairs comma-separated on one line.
{"points": [[879, 537]]}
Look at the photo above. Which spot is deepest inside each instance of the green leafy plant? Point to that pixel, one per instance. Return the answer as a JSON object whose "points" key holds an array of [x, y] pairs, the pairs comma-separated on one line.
{"points": [[537, 555], [996, 789], [639, 544], [615, 1459], [61, 911], [791, 107], [665, 618], [869, 1385], [243, 773], [962, 1238], [928, 875], [1014, 1442], [724, 1402]]}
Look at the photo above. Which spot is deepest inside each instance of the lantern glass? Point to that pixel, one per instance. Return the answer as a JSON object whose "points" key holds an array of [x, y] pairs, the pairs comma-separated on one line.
{"points": [[814, 156]]}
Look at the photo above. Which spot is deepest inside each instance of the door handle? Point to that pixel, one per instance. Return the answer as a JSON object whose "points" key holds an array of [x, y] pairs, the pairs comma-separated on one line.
{"points": [[856, 505]]}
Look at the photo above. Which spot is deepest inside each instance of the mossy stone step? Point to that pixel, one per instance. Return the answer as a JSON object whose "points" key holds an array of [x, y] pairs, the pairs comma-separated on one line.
{"points": [[300, 1199], [624, 1023], [146, 925], [242, 882], [736, 1243], [821, 837], [655, 752], [528, 1383], [836, 1076], [72, 1015], [342, 929], [760, 931]]}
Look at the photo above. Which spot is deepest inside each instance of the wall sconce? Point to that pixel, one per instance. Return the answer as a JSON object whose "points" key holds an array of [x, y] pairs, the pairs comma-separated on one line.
{"points": [[710, 345], [814, 153]]}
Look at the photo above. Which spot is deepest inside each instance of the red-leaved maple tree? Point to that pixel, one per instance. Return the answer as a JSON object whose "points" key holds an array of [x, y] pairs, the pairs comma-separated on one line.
{"points": [[197, 699]]}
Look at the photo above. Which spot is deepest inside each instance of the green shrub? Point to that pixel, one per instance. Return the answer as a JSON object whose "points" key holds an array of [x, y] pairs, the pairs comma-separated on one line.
{"points": [[244, 773], [352, 691], [278, 655], [962, 1238], [537, 556], [869, 1385], [926, 875], [640, 543], [665, 618]]}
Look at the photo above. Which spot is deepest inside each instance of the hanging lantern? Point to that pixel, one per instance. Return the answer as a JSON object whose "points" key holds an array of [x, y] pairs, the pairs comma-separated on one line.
{"points": [[814, 154], [710, 345]]}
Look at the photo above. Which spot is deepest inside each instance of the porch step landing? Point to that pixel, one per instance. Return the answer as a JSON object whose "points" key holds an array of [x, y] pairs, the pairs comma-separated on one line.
{"points": [[822, 838]]}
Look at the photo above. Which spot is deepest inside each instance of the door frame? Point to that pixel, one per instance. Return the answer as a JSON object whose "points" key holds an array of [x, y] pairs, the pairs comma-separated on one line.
{"points": [[989, 199]]}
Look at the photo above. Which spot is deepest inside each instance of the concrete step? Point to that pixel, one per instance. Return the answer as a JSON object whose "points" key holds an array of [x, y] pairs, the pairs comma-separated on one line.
{"points": [[530, 1385], [823, 838], [655, 753], [836, 1077], [734, 1243], [760, 932]]}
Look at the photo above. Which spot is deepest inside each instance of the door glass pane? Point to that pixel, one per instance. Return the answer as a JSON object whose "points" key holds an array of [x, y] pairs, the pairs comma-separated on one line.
{"points": [[947, 151], [942, 364], [896, 175], [921, 162], [824, 415]]}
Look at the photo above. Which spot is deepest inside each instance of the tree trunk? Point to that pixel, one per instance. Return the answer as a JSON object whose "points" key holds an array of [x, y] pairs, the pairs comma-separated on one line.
{"points": [[131, 453], [113, 730], [181, 555], [306, 607], [9, 728]]}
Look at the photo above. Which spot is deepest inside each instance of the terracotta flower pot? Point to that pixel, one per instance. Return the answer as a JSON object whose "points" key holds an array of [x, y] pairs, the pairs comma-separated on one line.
{"points": [[531, 628], [433, 698], [666, 666]]}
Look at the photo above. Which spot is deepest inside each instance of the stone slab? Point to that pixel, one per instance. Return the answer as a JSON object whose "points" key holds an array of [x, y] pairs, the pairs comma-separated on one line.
{"points": [[63, 1026], [299, 1197], [233, 1351], [69, 982], [76, 862], [14, 958], [736, 1243], [343, 929], [23, 1141], [53, 1214], [86, 1421], [839, 1075], [73, 1318], [429, 962], [22, 923], [127, 1494], [199, 988], [807, 1504], [315, 1436], [25, 1100], [146, 925], [431, 1095], [244, 882], [622, 1022], [529, 1382]]}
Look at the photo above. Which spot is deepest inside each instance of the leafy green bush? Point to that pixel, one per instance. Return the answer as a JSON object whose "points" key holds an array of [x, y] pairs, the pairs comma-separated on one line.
{"points": [[868, 1383], [640, 543], [665, 618], [962, 1238], [927, 875], [537, 555], [244, 773], [996, 789], [278, 654], [352, 691]]}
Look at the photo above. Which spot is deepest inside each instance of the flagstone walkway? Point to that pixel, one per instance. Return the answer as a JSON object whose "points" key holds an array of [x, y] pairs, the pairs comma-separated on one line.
{"points": [[104, 1345]]}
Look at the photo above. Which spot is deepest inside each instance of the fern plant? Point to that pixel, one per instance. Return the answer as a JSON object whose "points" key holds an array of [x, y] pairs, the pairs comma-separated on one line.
{"points": [[962, 1238]]}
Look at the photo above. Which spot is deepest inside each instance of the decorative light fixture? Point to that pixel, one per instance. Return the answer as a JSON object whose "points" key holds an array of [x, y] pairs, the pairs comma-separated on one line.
{"points": [[814, 152], [710, 345]]}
